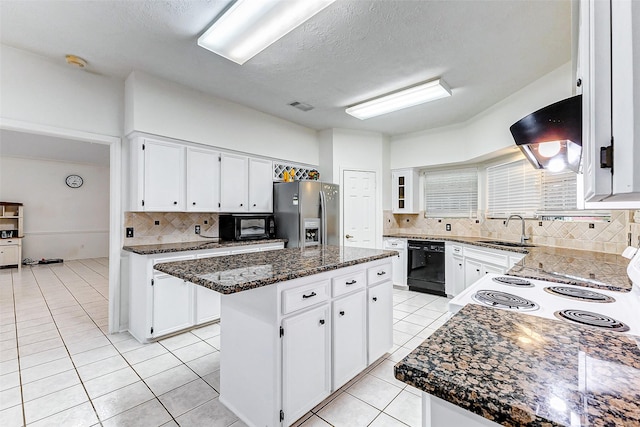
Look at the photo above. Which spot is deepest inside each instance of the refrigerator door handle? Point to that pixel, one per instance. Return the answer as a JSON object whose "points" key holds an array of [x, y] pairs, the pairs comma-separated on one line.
{"points": [[323, 217]]}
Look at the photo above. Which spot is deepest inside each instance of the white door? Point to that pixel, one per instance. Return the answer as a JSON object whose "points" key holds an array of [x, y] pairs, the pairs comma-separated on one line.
{"points": [[380, 313], [359, 209], [488, 268], [172, 304], [458, 276], [260, 185], [306, 361], [234, 189], [163, 176], [349, 338], [203, 180], [207, 304], [472, 272]]}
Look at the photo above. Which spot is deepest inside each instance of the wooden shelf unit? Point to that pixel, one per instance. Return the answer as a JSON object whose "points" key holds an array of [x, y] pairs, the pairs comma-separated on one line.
{"points": [[11, 233]]}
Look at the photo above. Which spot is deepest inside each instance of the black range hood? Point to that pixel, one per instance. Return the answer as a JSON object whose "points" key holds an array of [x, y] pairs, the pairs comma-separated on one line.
{"points": [[551, 138]]}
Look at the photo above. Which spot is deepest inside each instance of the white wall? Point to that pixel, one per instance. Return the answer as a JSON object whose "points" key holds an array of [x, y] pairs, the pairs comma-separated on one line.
{"points": [[485, 133], [355, 150], [39, 90], [164, 108], [59, 222]]}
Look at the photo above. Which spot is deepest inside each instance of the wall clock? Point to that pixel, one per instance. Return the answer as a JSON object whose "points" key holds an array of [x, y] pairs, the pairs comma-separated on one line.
{"points": [[74, 181]]}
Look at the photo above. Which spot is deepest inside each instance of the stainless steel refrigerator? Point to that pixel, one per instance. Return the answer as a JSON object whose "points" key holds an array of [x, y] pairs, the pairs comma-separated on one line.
{"points": [[307, 213]]}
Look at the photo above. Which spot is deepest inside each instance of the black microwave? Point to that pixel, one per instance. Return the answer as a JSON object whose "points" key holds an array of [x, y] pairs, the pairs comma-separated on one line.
{"points": [[247, 227]]}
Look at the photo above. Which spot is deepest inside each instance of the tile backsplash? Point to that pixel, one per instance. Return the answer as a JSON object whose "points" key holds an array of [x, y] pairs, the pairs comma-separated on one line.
{"points": [[168, 227], [609, 237]]}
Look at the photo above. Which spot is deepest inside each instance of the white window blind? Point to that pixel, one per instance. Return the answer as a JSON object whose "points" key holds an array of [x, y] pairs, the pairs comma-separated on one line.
{"points": [[518, 188], [451, 193]]}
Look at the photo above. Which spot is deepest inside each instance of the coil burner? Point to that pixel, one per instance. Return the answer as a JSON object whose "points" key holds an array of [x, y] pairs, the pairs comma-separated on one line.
{"points": [[579, 294], [513, 281], [595, 320], [499, 299]]}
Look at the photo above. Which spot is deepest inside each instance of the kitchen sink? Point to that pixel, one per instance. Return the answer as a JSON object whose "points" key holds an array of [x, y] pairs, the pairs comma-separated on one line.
{"points": [[509, 244]]}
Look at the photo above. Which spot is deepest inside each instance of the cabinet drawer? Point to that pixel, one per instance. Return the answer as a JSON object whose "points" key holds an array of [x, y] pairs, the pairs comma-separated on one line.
{"points": [[378, 274], [487, 256], [348, 283], [9, 242], [304, 296]]}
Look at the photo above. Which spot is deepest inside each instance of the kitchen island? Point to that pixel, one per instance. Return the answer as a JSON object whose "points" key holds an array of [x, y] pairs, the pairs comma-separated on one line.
{"points": [[515, 369], [297, 324]]}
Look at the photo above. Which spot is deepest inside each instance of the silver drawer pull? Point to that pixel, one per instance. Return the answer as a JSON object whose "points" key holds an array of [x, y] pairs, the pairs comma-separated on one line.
{"points": [[382, 273], [352, 282], [312, 294]]}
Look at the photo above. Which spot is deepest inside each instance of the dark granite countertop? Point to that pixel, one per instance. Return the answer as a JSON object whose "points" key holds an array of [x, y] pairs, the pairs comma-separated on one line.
{"points": [[520, 370], [162, 248], [241, 272], [569, 266]]}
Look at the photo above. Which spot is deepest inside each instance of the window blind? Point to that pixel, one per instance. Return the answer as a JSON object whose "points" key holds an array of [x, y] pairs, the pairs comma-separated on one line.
{"points": [[518, 188], [451, 193]]}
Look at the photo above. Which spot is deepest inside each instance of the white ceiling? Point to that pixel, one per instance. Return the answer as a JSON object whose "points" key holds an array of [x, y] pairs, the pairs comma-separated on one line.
{"points": [[353, 50], [21, 144]]}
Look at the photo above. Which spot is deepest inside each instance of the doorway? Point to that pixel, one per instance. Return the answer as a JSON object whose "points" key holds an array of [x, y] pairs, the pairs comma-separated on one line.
{"points": [[114, 193], [359, 214]]}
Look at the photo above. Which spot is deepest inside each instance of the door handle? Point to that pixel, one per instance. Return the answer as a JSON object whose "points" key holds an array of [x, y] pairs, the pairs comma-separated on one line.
{"points": [[349, 236], [312, 294], [322, 321], [351, 282], [342, 313], [382, 273], [375, 299]]}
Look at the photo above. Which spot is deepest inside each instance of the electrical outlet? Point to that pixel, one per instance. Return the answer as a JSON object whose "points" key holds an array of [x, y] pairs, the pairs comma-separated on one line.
{"points": [[592, 225], [156, 222], [129, 231], [539, 223], [448, 227], [197, 229], [206, 222]]}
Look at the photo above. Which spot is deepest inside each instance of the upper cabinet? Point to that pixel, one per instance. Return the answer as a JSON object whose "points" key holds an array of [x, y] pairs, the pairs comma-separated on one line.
{"points": [[609, 79], [260, 185], [203, 175], [404, 191], [171, 176]]}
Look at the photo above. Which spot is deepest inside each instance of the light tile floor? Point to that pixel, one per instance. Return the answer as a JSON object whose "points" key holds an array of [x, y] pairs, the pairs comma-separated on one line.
{"points": [[59, 367]]}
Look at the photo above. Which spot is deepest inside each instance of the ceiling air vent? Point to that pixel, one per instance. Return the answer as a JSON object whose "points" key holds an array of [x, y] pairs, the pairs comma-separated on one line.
{"points": [[302, 106]]}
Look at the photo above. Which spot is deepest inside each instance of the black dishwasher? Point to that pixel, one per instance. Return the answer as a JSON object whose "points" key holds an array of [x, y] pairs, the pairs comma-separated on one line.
{"points": [[425, 267]]}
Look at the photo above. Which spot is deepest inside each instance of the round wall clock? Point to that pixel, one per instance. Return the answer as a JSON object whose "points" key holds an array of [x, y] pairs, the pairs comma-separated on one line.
{"points": [[74, 181]]}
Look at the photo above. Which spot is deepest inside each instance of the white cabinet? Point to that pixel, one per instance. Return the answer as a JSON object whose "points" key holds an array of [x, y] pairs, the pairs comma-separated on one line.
{"points": [[164, 176], [260, 185], [473, 270], [306, 360], [609, 72], [454, 269], [380, 320], [234, 170], [349, 337], [10, 252], [203, 180], [399, 262], [172, 305], [160, 304], [404, 191]]}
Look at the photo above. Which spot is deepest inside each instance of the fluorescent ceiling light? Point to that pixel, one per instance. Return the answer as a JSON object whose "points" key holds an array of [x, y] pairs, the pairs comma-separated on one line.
{"points": [[250, 26], [404, 98]]}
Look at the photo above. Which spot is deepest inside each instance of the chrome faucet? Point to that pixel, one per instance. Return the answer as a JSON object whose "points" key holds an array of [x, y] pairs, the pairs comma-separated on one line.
{"points": [[523, 237]]}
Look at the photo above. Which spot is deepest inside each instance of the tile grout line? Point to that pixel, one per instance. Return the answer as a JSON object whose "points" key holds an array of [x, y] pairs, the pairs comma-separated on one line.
{"points": [[15, 317]]}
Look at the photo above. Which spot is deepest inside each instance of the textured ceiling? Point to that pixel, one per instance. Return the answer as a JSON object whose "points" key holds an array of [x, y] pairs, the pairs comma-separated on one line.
{"points": [[351, 51]]}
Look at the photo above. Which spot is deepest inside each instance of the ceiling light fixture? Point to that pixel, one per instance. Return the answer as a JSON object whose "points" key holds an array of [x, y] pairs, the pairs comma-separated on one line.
{"points": [[249, 26], [398, 100]]}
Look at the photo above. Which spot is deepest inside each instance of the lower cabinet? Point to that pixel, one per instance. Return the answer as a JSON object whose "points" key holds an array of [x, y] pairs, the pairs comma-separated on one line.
{"points": [[349, 337], [160, 304], [306, 360], [172, 304], [379, 320]]}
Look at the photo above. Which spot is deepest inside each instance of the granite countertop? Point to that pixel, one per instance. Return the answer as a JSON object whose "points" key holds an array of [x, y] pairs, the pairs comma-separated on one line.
{"points": [[241, 272], [570, 266], [517, 369], [193, 246]]}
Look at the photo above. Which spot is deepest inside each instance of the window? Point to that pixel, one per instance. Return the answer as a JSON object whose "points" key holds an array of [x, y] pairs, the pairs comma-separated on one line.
{"points": [[518, 188], [451, 193]]}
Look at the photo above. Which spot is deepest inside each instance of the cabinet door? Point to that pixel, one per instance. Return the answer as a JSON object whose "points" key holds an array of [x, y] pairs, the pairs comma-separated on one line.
{"points": [[203, 180], [164, 172], [172, 304], [349, 338], [9, 255], [488, 268], [458, 276], [472, 272], [233, 183], [380, 320], [306, 361], [260, 185], [207, 305]]}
